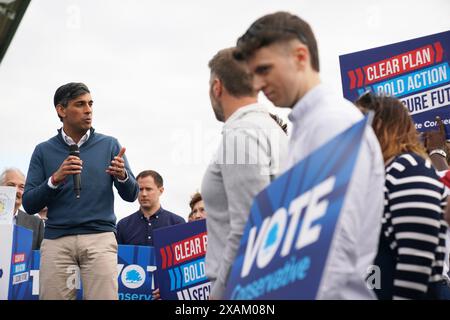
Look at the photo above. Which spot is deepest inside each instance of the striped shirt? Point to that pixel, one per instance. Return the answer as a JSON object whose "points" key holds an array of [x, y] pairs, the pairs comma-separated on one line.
{"points": [[412, 240]]}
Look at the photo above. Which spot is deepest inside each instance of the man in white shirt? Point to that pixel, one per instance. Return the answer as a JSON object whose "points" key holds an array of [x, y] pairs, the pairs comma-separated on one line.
{"points": [[282, 53]]}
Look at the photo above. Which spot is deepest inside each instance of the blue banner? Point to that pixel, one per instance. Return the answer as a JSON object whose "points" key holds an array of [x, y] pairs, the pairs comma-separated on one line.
{"points": [[20, 263], [285, 245], [180, 256], [136, 268], [415, 71]]}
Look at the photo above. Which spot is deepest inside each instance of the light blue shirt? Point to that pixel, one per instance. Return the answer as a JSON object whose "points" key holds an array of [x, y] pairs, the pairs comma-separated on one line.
{"points": [[319, 116]]}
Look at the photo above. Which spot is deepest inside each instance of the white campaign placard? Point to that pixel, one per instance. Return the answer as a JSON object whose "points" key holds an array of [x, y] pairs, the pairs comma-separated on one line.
{"points": [[6, 237], [7, 201]]}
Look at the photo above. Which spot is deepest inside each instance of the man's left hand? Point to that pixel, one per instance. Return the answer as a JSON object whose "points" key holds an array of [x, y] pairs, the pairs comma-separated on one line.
{"points": [[117, 167]]}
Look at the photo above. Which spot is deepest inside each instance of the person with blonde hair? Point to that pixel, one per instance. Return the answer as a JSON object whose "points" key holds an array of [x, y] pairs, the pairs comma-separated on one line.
{"points": [[412, 240]]}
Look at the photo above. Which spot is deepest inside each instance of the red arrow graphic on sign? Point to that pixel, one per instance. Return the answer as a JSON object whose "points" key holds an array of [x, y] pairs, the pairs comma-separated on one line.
{"points": [[164, 258], [169, 255], [439, 51], [360, 76], [351, 75]]}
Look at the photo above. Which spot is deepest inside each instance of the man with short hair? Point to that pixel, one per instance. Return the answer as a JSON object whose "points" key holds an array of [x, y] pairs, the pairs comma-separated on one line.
{"points": [[79, 231], [248, 157], [13, 177], [137, 229], [281, 51]]}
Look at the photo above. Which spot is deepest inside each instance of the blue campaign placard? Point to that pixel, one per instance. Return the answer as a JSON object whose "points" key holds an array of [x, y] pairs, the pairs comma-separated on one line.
{"points": [[32, 289], [180, 256], [285, 245], [136, 268], [20, 263], [416, 71]]}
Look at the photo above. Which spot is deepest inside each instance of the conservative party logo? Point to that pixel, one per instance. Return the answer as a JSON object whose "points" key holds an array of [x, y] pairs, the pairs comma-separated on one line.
{"points": [[133, 276], [272, 241]]}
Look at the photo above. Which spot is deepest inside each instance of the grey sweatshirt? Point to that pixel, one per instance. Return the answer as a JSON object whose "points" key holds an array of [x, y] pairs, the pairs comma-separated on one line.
{"points": [[248, 157]]}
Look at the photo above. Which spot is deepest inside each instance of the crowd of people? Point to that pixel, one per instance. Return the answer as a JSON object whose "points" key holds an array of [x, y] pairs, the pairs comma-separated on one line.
{"points": [[394, 214]]}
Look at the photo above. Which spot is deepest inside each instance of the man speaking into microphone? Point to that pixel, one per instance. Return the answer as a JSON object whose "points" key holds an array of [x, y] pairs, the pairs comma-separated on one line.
{"points": [[73, 174]]}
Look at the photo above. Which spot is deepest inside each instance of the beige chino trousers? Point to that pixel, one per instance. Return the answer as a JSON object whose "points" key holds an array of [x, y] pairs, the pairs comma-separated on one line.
{"points": [[94, 255]]}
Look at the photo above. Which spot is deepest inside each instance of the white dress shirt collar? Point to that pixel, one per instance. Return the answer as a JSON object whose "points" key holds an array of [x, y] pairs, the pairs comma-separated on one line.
{"points": [[308, 101], [15, 216], [70, 141]]}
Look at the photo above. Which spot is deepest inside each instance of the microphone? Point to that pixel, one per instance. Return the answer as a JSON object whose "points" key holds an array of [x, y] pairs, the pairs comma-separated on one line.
{"points": [[75, 151]]}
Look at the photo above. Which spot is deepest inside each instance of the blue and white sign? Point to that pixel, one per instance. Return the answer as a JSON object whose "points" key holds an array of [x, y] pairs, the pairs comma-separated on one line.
{"points": [[180, 256], [15, 261], [415, 71], [286, 241], [20, 262], [7, 201], [136, 269]]}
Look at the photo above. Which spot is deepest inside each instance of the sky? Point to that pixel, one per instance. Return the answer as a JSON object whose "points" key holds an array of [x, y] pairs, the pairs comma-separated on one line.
{"points": [[146, 64]]}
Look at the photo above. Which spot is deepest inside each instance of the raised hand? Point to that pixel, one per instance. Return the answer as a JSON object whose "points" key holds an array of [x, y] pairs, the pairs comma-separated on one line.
{"points": [[117, 167]]}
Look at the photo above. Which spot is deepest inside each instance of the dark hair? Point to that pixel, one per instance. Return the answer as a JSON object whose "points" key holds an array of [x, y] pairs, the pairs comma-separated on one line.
{"points": [[67, 92], [279, 121], [155, 175], [274, 28], [234, 74], [196, 197], [392, 125]]}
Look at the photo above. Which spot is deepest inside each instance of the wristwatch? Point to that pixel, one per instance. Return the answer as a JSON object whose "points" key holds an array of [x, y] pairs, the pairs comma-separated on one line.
{"points": [[439, 152]]}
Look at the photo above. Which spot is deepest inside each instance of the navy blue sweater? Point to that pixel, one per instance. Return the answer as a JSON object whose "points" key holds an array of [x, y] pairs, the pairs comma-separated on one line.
{"points": [[94, 211]]}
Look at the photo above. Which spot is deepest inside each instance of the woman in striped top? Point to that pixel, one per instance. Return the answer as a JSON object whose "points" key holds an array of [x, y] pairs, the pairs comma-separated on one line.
{"points": [[412, 239]]}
